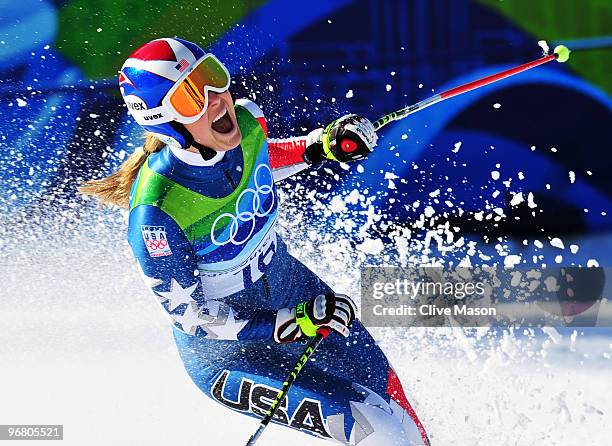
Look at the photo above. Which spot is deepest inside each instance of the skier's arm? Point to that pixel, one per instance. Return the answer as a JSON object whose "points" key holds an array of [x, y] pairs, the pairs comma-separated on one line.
{"points": [[348, 138], [287, 154], [169, 268]]}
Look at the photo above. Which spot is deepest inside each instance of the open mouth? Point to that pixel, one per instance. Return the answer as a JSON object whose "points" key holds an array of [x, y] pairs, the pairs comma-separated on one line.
{"points": [[222, 122]]}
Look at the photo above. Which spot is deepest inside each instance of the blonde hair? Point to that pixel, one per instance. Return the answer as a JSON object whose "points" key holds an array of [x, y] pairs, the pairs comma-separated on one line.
{"points": [[115, 188]]}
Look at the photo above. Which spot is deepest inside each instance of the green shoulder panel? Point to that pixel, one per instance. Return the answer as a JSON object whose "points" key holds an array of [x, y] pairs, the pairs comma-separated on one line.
{"points": [[192, 211]]}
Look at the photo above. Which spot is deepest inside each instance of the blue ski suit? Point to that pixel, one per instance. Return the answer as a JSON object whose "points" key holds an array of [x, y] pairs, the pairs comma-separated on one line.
{"points": [[222, 277]]}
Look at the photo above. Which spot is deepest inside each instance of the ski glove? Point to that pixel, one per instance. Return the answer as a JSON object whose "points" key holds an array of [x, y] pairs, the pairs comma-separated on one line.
{"points": [[335, 311], [348, 138]]}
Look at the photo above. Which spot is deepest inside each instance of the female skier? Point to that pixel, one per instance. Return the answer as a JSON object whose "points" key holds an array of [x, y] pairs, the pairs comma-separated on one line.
{"points": [[203, 209]]}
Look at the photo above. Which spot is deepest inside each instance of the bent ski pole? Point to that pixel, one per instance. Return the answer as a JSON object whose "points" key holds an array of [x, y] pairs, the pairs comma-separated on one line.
{"points": [[322, 333], [560, 53]]}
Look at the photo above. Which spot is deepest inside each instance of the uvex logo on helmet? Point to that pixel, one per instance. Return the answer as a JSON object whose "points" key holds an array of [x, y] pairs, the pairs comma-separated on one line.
{"points": [[133, 102]]}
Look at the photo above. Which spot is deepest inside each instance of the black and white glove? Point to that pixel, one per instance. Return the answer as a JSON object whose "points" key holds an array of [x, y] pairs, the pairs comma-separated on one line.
{"points": [[348, 138], [334, 311]]}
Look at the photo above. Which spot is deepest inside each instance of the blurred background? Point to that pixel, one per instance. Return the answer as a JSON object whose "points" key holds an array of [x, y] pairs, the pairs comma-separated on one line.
{"points": [[545, 132], [516, 172]]}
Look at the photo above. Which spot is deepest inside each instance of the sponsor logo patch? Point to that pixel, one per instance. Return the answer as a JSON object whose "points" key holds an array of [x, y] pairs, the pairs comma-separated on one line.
{"points": [[153, 117], [156, 240], [247, 396], [134, 103]]}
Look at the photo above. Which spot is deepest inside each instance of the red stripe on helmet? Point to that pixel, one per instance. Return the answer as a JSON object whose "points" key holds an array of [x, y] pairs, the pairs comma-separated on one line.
{"points": [[123, 79], [155, 50]]}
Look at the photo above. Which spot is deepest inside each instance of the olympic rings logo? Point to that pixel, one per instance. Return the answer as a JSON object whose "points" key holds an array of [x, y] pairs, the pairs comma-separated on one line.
{"points": [[257, 198], [157, 244]]}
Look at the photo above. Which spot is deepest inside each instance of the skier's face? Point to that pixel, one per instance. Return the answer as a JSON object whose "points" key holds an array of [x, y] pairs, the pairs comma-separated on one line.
{"points": [[217, 128]]}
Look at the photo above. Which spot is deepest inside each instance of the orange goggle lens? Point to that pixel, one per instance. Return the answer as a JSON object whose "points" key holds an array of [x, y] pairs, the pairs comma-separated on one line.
{"points": [[190, 97]]}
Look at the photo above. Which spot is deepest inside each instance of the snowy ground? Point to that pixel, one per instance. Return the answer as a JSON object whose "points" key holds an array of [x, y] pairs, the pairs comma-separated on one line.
{"points": [[83, 344]]}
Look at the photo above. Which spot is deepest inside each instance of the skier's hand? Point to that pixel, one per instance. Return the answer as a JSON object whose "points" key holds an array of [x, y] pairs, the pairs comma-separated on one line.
{"points": [[335, 311], [348, 138]]}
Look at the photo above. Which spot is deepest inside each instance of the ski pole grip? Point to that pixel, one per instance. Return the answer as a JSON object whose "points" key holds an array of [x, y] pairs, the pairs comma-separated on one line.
{"points": [[324, 332]]}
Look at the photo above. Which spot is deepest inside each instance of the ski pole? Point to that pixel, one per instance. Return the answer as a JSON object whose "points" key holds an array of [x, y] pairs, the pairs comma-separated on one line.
{"points": [[560, 53], [322, 333]]}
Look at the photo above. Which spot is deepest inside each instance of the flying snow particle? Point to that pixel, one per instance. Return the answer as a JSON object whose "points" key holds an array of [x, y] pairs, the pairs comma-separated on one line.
{"points": [[371, 246], [21, 102], [349, 94], [592, 263], [574, 249], [496, 105], [545, 49], [557, 243], [572, 176], [511, 260], [353, 197], [337, 204], [360, 168], [429, 211], [530, 201], [404, 136], [99, 30], [457, 147], [517, 199], [420, 85], [388, 87], [495, 175]]}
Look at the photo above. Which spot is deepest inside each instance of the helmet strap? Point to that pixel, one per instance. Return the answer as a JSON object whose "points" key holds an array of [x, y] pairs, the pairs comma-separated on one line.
{"points": [[206, 152]]}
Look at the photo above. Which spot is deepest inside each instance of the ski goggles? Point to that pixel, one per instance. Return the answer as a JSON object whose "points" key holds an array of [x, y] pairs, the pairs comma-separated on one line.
{"points": [[187, 100]]}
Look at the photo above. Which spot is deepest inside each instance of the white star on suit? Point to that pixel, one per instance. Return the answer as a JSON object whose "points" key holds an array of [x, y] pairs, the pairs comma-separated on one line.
{"points": [[190, 320], [178, 295], [228, 330]]}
